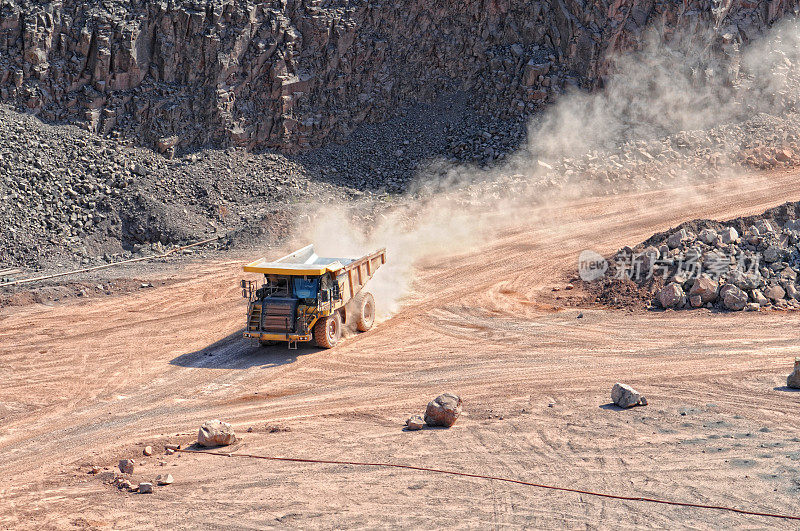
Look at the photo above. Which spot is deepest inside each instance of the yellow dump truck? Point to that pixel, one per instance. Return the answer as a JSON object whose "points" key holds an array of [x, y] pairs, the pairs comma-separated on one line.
{"points": [[304, 296]]}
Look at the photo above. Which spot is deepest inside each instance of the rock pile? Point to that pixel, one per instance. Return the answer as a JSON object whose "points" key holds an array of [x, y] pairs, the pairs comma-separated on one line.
{"points": [[745, 264]]}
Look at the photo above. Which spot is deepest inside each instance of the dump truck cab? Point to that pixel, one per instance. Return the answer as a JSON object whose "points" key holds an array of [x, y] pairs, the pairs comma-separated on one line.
{"points": [[304, 296]]}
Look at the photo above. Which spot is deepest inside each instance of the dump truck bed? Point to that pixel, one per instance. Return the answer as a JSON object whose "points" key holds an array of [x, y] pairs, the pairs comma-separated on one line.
{"points": [[306, 262], [301, 262]]}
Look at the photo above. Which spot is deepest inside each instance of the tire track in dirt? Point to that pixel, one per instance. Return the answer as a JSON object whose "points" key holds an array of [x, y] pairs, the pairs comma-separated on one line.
{"points": [[482, 327]]}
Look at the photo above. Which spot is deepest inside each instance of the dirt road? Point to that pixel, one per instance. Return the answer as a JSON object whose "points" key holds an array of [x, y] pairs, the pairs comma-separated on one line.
{"points": [[91, 382]]}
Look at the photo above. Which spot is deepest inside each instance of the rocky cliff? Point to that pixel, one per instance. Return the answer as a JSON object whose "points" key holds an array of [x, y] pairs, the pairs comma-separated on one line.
{"points": [[291, 74]]}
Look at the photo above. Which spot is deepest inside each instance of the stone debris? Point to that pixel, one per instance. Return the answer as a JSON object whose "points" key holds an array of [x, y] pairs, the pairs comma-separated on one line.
{"points": [[714, 265], [122, 483], [625, 396], [215, 433], [145, 488], [164, 479], [733, 298], [672, 296], [443, 410], [415, 422], [148, 450], [126, 466], [793, 380]]}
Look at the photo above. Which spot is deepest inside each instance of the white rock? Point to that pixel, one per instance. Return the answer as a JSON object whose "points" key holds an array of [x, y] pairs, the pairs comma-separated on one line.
{"points": [[415, 422], [626, 396], [708, 236], [215, 433], [729, 235]]}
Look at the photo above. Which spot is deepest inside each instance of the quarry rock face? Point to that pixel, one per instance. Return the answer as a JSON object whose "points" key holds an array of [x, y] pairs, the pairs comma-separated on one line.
{"points": [[443, 410], [295, 74]]}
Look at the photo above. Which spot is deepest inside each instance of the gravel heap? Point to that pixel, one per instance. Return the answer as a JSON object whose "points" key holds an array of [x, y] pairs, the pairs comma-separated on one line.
{"points": [[69, 195], [748, 263]]}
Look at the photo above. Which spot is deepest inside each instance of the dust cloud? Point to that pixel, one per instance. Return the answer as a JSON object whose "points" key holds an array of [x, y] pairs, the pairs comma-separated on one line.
{"points": [[694, 82]]}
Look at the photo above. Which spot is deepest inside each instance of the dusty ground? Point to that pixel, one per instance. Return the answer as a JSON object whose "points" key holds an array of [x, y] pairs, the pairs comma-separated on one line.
{"points": [[92, 381]]}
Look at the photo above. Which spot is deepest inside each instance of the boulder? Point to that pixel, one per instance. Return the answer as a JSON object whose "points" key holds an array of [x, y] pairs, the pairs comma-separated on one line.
{"points": [[708, 236], [126, 466], [443, 410], [733, 298], [415, 422], [774, 293], [145, 488], [793, 380], [706, 289], [772, 254], [165, 479], [677, 238], [148, 450], [215, 433], [729, 235], [759, 298], [671, 296], [626, 396], [792, 292]]}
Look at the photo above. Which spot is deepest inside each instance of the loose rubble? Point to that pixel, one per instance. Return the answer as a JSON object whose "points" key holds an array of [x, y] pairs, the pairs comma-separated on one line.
{"points": [[165, 479], [750, 263], [126, 466], [215, 433]]}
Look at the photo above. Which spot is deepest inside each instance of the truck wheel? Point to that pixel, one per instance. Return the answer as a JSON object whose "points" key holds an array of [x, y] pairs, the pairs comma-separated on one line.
{"points": [[328, 330], [364, 309]]}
